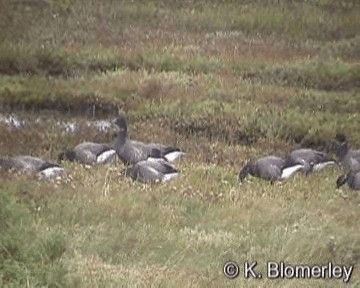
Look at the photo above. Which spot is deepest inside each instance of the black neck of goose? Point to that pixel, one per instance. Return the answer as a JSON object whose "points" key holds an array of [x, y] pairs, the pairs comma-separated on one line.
{"points": [[156, 153], [342, 150], [248, 169], [120, 139], [341, 180], [67, 155]]}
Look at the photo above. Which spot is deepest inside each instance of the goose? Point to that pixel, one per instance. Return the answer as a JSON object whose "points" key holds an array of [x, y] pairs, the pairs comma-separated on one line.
{"points": [[132, 152], [349, 159], [351, 178], [32, 164], [152, 170], [270, 168], [314, 160], [90, 153]]}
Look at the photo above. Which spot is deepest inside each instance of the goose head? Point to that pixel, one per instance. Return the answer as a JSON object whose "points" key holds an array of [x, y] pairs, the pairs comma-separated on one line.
{"points": [[245, 171], [341, 180], [340, 145], [67, 155], [121, 123], [340, 137]]}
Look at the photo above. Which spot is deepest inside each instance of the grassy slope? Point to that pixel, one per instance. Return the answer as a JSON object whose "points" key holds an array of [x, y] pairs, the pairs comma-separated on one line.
{"points": [[208, 78]]}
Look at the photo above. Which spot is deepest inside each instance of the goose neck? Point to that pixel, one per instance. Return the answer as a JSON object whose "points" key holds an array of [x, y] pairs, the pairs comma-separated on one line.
{"points": [[342, 150], [248, 169], [120, 140]]}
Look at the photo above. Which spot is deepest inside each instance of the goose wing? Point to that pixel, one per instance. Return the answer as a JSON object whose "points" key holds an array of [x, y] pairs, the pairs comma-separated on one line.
{"points": [[85, 156], [29, 163], [95, 148], [152, 171], [273, 160], [163, 148], [144, 173], [133, 152], [355, 154], [351, 161], [308, 155], [355, 181], [170, 153], [354, 164], [270, 167], [161, 165]]}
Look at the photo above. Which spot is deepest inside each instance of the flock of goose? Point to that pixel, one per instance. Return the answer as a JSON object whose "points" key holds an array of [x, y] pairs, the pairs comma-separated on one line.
{"points": [[152, 162], [308, 160], [145, 162]]}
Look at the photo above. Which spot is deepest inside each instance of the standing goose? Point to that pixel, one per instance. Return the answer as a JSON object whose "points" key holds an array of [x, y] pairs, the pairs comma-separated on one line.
{"points": [[351, 178], [349, 159], [270, 168], [90, 153], [32, 164], [132, 152], [313, 160]]}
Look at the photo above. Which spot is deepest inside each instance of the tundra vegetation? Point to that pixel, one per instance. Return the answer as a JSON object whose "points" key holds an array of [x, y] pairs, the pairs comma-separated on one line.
{"points": [[225, 81]]}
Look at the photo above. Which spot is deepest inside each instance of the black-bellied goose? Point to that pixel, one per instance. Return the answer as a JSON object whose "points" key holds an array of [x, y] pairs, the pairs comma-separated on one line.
{"points": [[32, 164], [132, 152], [314, 160], [270, 168], [90, 153], [351, 178], [349, 159], [152, 170]]}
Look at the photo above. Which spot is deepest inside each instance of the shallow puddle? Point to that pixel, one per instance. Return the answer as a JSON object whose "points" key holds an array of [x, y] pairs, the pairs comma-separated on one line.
{"points": [[70, 125]]}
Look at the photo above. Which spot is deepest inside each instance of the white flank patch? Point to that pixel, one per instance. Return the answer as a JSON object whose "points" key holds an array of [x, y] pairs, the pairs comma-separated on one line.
{"points": [[52, 172], [320, 166], [168, 177], [287, 172], [172, 156], [160, 160], [106, 156], [152, 159]]}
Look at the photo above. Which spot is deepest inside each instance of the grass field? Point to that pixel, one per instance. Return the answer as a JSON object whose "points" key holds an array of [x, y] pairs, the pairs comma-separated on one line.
{"points": [[225, 81]]}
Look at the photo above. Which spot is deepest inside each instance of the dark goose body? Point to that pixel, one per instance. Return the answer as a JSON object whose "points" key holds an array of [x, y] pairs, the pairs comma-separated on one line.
{"points": [[270, 168], [131, 152]]}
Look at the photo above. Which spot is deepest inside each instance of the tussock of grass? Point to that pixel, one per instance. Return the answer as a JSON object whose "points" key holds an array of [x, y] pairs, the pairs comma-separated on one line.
{"points": [[29, 253], [327, 75], [319, 74], [34, 94], [47, 62]]}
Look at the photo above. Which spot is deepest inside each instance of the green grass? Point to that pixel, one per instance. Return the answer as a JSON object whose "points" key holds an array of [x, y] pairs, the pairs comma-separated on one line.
{"points": [[226, 82], [164, 235]]}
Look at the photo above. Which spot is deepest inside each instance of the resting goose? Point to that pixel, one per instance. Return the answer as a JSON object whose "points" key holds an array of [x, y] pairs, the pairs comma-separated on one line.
{"points": [[351, 178], [349, 159], [90, 153], [32, 164], [152, 170], [270, 168], [314, 160], [132, 152]]}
